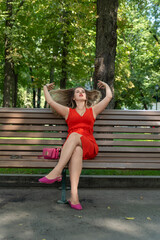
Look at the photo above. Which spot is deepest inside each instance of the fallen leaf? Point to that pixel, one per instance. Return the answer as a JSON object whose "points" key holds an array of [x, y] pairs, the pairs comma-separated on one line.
{"points": [[78, 216], [129, 218]]}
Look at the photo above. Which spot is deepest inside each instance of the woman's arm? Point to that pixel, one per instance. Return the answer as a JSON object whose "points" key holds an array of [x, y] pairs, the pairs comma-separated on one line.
{"points": [[60, 109], [99, 107]]}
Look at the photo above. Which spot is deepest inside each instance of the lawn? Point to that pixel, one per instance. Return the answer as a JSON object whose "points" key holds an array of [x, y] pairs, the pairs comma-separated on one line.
{"points": [[84, 172]]}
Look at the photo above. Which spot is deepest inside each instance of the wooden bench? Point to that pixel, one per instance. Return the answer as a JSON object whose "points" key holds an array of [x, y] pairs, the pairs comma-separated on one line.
{"points": [[127, 139]]}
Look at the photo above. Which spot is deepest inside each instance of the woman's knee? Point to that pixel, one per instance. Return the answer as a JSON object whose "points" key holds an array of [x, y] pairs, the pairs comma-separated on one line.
{"points": [[78, 151], [75, 137]]}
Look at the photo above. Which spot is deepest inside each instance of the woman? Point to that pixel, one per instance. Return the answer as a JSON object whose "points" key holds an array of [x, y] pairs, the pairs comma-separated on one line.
{"points": [[80, 143]]}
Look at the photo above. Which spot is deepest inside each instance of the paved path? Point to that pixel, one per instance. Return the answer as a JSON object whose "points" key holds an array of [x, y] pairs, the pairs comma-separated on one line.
{"points": [[33, 214]]}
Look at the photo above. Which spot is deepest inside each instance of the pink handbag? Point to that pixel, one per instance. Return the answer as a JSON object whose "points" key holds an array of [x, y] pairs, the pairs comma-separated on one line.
{"points": [[50, 153]]}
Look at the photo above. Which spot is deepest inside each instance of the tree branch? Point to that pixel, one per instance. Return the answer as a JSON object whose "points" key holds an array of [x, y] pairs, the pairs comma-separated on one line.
{"points": [[154, 35], [20, 5]]}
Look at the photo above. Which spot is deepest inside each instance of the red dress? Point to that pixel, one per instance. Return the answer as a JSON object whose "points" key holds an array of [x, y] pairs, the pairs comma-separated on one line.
{"points": [[84, 126]]}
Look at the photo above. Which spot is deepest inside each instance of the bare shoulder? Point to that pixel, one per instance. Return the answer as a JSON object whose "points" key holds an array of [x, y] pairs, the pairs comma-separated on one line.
{"points": [[61, 110], [67, 113], [94, 114]]}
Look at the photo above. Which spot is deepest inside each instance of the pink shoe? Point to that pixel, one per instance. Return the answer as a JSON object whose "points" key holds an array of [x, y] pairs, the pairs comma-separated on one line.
{"points": [[75, 206], [50, 181]]}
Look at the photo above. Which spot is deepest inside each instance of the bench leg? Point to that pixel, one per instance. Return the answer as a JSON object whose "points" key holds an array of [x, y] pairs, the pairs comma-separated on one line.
{"points": [[63, 195]]}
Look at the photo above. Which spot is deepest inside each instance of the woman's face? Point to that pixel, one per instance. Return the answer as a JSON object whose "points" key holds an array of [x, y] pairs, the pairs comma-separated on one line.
{"points": [[79, 94]]}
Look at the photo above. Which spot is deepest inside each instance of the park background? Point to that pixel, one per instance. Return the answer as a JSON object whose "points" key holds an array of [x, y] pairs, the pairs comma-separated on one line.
{"points": [[77, 42]]}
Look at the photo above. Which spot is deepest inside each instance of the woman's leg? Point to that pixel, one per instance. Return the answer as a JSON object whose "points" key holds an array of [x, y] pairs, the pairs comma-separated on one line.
{"points": [[75, 168], [71, 143]]}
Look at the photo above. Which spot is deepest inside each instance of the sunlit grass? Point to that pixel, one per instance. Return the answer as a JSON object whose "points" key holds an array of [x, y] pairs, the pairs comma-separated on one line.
{"points": [[84, 172]]}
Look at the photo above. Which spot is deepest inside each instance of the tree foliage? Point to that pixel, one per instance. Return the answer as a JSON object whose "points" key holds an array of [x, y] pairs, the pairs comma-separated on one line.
{"points": [[50, 39], [55, 41], [138, 54]]}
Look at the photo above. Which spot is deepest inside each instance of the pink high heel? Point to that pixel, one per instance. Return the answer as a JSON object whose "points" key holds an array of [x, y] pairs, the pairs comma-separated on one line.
{"points": [[50, 181], [75, 206]]}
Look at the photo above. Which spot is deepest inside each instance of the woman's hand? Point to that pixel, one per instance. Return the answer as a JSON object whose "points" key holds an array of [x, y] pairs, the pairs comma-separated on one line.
{"points": [[99, 107], [102, 85], [50, 86]]}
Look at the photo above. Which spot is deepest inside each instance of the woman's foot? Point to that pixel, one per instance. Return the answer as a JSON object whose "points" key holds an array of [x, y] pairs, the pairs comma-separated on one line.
{"points": [[75, 206], [50, 181], [74, 199], [53, 174], [51, 178], [74, 202]]}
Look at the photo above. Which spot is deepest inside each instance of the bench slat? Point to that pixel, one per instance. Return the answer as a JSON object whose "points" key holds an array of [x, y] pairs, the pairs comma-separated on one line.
{"points": [[129, 166], [33, 134], [89, 165], [106, 111], [30, 142], [129, 117], [29, 115], [62, 121], [64, 134], [101, 149], [116, 132], [129, 143], [25, 164], [129, 129], [122, 155], [129, 154], [23, 147], [55, 142], [31, 121], [39, 128], [126, 123], [102, 117], [128, 136], [97, 129], [96, 160], [129, 149]]}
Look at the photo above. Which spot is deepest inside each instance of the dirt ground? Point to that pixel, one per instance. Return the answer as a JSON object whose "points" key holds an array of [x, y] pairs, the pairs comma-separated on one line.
{"points": [[108, 214]]}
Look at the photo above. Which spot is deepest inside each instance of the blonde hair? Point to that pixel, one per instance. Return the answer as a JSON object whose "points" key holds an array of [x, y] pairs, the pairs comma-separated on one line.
{"points": [[65, 97]]}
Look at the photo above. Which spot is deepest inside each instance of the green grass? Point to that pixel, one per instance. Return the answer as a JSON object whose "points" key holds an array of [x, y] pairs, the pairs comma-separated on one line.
{"points": [[122, 172], [84, 172]]}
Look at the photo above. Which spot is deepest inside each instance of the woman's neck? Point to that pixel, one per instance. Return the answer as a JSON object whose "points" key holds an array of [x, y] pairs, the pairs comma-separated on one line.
{"points": [[80, 105]]}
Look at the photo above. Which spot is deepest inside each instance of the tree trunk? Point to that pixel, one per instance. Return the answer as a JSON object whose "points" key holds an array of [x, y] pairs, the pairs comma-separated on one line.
{"points": [[51, 80], [11, 78], [65, 50], [106, 42], [64, 62], [7, 84], [39, 98], [52, 74], [34, 97], [34, 92], [14, 89], [8, 67]]}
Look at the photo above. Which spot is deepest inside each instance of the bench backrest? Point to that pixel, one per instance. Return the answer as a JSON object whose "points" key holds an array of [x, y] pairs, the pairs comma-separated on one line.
{"points": [[126, 139]]}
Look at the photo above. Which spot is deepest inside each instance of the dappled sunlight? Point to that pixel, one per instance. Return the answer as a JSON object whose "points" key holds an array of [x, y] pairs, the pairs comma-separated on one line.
{"points": [[152, 227], [121, 226], [33, 213], [16, 223]]}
